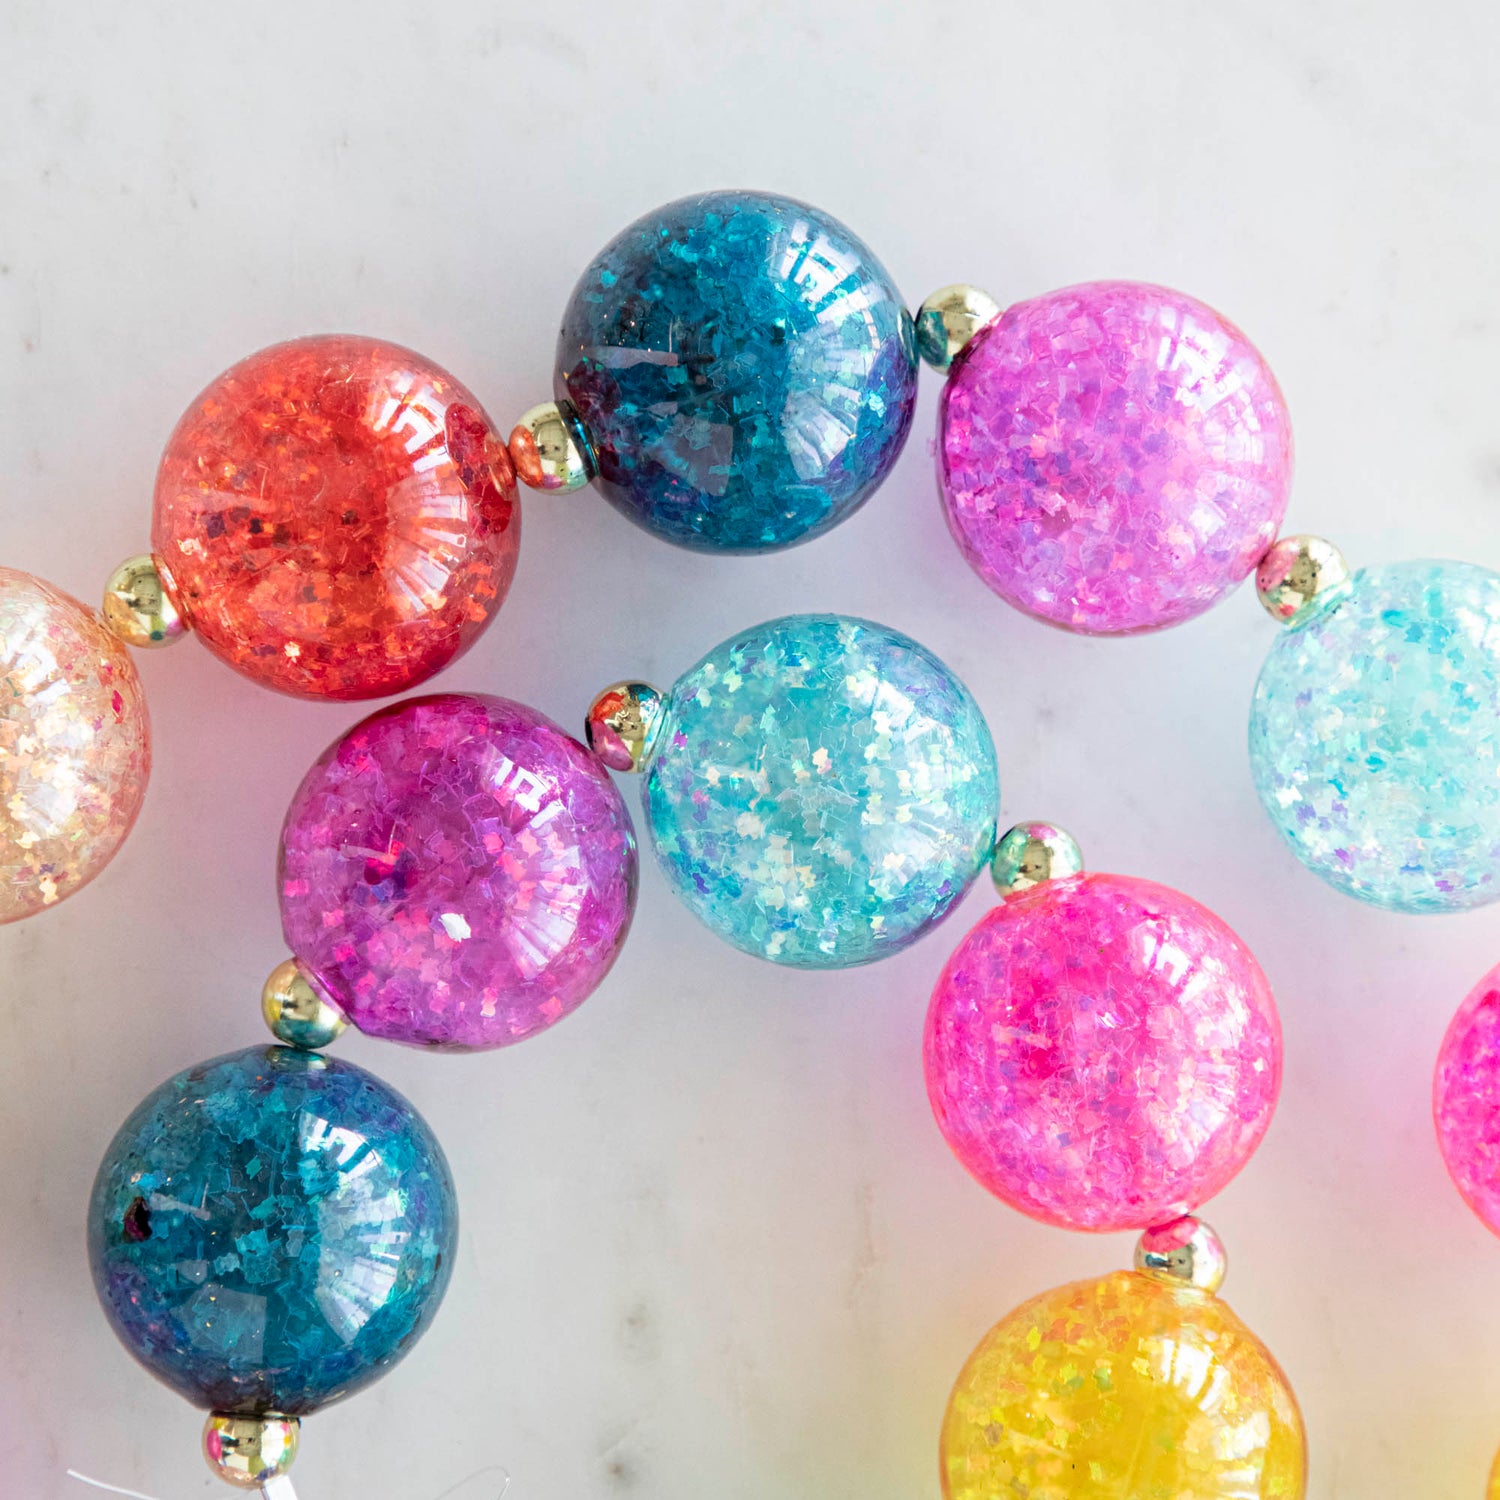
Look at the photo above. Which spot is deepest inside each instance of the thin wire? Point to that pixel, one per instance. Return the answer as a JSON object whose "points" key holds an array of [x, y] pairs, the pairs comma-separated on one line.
{"points": [[280, 1488], [114, 1489]]}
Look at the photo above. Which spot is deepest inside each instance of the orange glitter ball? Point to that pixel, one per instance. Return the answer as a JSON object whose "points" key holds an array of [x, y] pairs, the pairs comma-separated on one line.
{"points": [[336, 517]]}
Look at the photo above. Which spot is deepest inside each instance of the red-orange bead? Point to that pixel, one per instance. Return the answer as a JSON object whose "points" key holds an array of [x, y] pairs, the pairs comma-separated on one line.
{"points": [[336, 517]]}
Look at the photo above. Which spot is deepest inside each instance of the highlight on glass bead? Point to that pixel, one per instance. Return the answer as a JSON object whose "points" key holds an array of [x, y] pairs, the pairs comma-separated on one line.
{"points": [[1466, 1099], [1123, 1387], [1114, 457], [744, 368], [1102, 1052], [336, 517], [457, 872], [271, 1231], [75, 745], [1375, 736], [822, 790]]}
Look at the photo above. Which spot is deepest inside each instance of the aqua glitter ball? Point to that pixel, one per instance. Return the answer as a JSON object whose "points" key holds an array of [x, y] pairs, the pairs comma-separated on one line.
{"points": [[744, 367], [822, 791], [1375, 737], [272, 1231]]}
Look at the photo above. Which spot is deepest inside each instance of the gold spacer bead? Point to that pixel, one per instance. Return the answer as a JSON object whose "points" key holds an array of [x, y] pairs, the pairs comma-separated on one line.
{"points": [[623, 725], [249, 1452], [949, 319], [550, 449], [1030, 853], [298, 1011], [1184, 1253], [1298, 572], [138, 607]]}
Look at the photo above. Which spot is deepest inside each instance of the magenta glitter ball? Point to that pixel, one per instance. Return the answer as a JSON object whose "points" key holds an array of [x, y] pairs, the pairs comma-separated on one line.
{"points": [[1466, 1099], [1114, 457], [1103, 1052], [457, 872]]}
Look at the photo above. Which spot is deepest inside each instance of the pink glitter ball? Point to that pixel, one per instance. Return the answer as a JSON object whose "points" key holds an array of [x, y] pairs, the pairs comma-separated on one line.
{"points": [[457, 872], [1114, 457], [1103, 1052], [1466, 1099]]}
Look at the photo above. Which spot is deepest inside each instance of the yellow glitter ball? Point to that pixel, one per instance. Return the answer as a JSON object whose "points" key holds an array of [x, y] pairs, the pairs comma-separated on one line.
{"points": [[1123, 1389], [1493, 1492]]}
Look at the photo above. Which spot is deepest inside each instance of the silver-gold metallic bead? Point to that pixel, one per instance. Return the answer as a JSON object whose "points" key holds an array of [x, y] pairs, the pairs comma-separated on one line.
{"points": [[1030, 853], [297, 1010], [551, 450], [1185, 1252], [1297, 572], [623, 724], [948, 319], [137, 606], [249, 1452]]}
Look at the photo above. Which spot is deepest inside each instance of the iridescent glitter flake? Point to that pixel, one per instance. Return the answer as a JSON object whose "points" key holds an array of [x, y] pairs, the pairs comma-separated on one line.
{"points": [[745, 370], [1375, 737], [1103, 1052], [336, 517], [75, 745], [272, 1231], [457, 872], [1466, 1099], [1114, 457], [823, 790], [1123, 1389]]}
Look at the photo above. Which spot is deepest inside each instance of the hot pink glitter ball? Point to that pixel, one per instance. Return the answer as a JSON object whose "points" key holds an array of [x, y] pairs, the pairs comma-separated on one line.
{"points": [[1466, 1099], [1114, 457], [457, 872], [1103, 1052]]}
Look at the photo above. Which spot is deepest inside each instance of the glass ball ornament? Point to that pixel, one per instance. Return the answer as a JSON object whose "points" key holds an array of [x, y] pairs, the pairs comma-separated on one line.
{"points": [[271, 1231], [1122, 1387], [336, 517], [744, 368], [75, 745], [1102, 1052], [821, 791], [457, 872], [1114, 457], [1466, 1099], [1375, 736]]}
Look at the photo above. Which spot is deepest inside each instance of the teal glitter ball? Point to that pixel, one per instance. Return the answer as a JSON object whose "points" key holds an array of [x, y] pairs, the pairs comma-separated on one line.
{"points": [[744, 367], [272, 1231], [1375, 737], [823, 790]]}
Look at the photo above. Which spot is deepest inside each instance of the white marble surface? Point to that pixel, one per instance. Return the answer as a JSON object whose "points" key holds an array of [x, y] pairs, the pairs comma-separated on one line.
{"points": [[714, 1245]]}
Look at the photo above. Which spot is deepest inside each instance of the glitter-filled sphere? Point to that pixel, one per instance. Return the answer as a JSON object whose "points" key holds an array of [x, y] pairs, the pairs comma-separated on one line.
{"points": [[457, 872], [1375, 736], [744, 367], [1466, 1099], [1123, 1389], [336, 517], [1114, 457], [1103, 1052], [823, 789], [271, 1231], [75, 745]]}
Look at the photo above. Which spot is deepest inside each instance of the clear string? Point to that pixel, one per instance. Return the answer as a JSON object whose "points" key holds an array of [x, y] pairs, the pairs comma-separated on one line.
{"points": [[280, 1488]]}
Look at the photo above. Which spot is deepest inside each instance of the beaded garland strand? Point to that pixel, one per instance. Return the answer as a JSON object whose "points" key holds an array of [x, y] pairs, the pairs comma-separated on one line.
{"points": [[336, 517]]}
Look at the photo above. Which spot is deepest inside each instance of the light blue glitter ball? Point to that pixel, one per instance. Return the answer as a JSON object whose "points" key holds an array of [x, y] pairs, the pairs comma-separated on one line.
{"points": [[823, 790], [1375, 737], [745, 369]]}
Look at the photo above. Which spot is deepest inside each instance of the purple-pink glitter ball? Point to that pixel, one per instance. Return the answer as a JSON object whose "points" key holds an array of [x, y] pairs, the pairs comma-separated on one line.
{"points": [[1103, 1052], [1114, 457], [457, 872], [1466, 1099]]}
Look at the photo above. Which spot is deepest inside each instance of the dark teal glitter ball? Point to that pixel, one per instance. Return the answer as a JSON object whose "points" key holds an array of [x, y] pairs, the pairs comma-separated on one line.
{"points": [[744, 367], [272, 1231]]}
